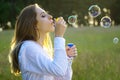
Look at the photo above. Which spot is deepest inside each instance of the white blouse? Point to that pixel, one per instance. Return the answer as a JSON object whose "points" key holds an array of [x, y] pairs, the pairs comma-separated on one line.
{"points": [[35, 64]]}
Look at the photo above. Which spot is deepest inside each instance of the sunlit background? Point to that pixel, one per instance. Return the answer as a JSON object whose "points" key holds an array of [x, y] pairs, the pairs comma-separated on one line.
{"points": [[93, 26]]}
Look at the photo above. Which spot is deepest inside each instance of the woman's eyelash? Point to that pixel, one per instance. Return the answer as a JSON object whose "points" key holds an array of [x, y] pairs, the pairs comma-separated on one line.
{"points": [[43, 15]]}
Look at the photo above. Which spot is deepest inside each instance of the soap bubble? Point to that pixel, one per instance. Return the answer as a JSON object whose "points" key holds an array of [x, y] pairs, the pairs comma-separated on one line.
{"points": [[72, 19], [105, 22], [94, 10], [115, 40]]}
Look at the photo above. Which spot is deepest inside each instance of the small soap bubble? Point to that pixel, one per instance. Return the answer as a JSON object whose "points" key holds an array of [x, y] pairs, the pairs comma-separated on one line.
{"points": [[94, 11], [105, 22], [115, 40], [72, 19]]}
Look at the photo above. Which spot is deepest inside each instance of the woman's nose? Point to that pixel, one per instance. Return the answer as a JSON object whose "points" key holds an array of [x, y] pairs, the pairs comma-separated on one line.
{"points": [[50, 17]]}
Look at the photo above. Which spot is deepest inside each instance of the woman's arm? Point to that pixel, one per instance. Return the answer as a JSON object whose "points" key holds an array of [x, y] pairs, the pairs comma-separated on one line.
{"points": [[33, 59]]}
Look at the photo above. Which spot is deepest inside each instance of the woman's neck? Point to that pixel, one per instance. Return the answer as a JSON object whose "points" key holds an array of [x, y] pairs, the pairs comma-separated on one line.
{"points": [[41, 39]]}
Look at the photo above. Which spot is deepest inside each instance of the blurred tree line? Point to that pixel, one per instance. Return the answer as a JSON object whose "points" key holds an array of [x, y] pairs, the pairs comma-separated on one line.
{"points": [[10, 9]]}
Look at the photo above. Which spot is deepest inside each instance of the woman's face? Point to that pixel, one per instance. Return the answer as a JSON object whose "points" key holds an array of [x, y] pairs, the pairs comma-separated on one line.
{"points": [[44, 21]]}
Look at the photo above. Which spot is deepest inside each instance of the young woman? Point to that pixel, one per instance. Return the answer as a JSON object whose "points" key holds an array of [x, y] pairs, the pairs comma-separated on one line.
{"points": [[31, 48]]}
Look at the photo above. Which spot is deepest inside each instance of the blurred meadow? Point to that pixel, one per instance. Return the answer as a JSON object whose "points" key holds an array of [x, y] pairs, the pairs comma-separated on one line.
{"points": [[98, 57]]}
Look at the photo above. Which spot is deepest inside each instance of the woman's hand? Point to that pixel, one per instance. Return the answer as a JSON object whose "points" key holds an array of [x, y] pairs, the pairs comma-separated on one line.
{"points": [[60, 27], [71, 52]]}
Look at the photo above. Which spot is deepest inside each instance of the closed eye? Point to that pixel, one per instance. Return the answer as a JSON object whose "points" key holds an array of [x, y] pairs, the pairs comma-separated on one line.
{"points": [[44, 14]]}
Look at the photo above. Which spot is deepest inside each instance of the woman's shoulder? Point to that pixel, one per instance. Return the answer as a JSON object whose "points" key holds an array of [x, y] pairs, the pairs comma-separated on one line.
{"points": [[31, 44]]}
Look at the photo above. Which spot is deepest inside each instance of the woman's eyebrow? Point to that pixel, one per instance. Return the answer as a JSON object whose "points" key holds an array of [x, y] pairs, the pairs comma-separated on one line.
{"points": [[42, 13]]}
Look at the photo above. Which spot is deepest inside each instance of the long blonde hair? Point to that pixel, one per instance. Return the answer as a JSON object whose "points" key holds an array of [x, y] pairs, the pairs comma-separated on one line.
{"points": [[25, 30]]}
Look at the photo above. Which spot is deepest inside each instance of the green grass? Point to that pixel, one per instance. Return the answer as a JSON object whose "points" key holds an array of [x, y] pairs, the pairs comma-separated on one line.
{"points": [[98, 57], [5, 39]]}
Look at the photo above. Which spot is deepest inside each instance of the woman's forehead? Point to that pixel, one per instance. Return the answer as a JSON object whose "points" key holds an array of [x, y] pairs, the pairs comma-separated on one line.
{"points": [[40, 10]]}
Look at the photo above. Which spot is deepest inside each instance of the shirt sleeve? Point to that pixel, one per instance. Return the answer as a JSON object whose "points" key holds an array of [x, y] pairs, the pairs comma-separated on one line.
{"points": [[69, 72], [34, 59]]}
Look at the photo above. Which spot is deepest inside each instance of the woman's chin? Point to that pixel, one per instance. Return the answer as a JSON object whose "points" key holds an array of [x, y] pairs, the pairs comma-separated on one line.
{"points": [[52, 29]]}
